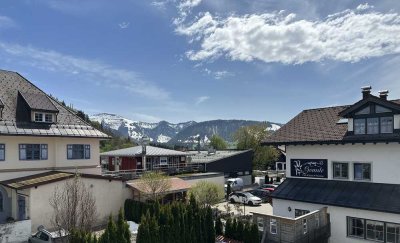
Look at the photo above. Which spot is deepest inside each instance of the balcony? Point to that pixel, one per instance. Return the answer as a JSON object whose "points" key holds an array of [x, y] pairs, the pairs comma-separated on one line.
{"points": [[313, 227]]}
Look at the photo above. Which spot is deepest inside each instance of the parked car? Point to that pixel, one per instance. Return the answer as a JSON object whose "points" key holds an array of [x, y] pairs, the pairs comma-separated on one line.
{"points": [[244, 197], [45, 236], [265, 195], [236, 184], [271, 186]]}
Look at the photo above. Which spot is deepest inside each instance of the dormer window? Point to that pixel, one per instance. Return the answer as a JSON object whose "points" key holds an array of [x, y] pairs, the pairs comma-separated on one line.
{"points": [[43, 117], [373, 125]]}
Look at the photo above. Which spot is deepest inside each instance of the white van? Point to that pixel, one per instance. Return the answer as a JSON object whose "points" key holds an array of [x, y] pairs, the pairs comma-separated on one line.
{"points": [[236, 184]]}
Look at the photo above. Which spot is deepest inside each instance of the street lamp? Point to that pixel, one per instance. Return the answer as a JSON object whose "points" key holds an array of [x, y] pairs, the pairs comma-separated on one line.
{"points": [[145, 142]]}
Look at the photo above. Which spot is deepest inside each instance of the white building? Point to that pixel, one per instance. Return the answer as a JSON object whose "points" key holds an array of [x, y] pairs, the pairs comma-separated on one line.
{"points": [[345, 158], [42, 143]]}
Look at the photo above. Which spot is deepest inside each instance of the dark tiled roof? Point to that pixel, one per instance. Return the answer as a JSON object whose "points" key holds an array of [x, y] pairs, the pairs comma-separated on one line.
{"points": [[16, 115], [360, 195], [321, 126], [39, 102], [47, 178]]}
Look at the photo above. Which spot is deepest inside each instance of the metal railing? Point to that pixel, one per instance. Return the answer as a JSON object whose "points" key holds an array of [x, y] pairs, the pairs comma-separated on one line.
{"points": [[170, 170]]}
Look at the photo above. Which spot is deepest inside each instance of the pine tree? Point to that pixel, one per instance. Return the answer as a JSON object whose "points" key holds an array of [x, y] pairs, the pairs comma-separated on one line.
{"points": [[239, 230], [210, 225], [123, 233], [228, 228], [255, 235], [143, 235], [234, 229], [218, 226]]}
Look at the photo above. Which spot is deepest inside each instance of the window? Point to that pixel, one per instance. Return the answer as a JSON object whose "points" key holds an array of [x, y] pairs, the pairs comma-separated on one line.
{"points": [[305, 229], [273, 227], [260, 223], [359, 126], [300, 212], [355, 227], [362, 171], [33, 151], [43, 117], [381, 109], [340, 170], [375, 230], [386, 124], [2, 152], [163, 161], [373, 125], [78, 151], [38, 117], [316, 220], [392, 233], [48, 118]]}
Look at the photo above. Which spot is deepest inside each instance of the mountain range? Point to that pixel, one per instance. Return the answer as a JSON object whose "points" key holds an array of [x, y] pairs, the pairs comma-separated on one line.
{"points": [[180, 133]]}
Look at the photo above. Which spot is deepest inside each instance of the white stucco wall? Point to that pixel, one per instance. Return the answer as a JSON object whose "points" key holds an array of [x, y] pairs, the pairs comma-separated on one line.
{"points": [[110, 197], [338, 217], [384, 158], [12, 167]]}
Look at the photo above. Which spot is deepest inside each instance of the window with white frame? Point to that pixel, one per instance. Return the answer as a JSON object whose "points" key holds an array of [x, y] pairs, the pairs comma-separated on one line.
{"points": [[300, 212], [43, 117], [375, 230], [33, 151], [78, 151], [392, 233], [355, 227], [273, 226], [2, 152], [340, 170], [305, 227], [359, 126], [386, 124], [362, 171]]}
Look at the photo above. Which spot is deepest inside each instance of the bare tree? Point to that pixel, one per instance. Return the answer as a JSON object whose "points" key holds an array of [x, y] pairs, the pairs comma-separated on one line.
{"points": [[74, 206], [154, 184]]}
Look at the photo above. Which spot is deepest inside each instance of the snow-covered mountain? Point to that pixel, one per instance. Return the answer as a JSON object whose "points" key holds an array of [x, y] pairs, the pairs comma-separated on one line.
{"points": [[181, 133], [160, 132]]}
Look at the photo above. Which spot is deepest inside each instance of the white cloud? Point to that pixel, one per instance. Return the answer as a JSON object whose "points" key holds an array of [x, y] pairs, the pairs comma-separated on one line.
{"points": [[124, 25], [201, 99], [6, 22], [222, 74], [160, 5], [348, 36], [87, 70], [218, 74]]}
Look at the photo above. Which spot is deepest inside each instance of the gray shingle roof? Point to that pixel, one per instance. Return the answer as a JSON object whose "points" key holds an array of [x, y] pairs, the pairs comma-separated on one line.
{"points": [[150, 151], [205, 157], [360, 195], [16, 115], [39, 102]]}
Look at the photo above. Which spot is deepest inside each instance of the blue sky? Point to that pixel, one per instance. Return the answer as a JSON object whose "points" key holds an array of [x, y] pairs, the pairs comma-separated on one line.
{"points": [[180, 60]]}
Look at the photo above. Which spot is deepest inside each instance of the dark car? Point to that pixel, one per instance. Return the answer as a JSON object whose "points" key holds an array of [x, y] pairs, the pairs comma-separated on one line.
{"points": [[265, 195]]}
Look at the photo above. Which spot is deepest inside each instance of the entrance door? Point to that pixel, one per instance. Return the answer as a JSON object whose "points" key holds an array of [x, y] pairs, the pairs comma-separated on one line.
{"points": [[21, 208]]}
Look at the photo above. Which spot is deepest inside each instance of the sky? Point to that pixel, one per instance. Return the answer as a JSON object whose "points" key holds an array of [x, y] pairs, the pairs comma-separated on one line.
{"points": [[181, 60]]}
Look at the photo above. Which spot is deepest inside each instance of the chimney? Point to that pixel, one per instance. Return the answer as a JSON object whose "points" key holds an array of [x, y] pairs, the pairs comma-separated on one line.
{"points": [[366, 91], [383, 94]]}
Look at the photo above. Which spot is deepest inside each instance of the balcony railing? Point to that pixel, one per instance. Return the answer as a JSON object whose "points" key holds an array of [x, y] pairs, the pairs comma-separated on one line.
{"points": [[170, 170]]}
